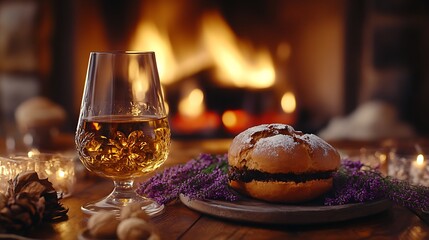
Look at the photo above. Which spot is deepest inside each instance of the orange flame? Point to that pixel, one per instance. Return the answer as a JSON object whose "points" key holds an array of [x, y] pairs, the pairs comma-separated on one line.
{"points": [[148, 36], [192, 105], [239, 65]]}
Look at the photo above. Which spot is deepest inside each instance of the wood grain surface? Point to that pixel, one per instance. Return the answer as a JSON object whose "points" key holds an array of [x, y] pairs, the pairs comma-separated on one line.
{"points": [[181, 222]]}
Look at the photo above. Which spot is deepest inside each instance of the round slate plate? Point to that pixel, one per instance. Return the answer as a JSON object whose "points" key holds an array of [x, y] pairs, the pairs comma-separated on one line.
{"points": [[250, 210]]}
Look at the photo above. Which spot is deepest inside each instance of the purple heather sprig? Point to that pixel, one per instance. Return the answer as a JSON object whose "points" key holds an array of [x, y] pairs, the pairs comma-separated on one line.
{"points": [[355, 182], [204, 177]]}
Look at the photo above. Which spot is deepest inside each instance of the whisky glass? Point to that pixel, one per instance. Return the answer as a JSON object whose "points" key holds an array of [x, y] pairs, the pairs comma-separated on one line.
{"points": [[123, 131]]}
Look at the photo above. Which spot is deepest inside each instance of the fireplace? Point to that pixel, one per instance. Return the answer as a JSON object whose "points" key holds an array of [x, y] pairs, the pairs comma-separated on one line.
{"points": [[228, 65]]}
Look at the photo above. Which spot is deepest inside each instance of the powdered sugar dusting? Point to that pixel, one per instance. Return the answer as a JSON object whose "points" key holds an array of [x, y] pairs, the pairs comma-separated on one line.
{"points": [[285, 142], [246, 136], [316, 142], [276, 137]]}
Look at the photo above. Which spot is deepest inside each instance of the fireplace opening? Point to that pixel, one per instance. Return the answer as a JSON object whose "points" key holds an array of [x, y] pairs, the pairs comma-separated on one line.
{"points": [[229, 65]]}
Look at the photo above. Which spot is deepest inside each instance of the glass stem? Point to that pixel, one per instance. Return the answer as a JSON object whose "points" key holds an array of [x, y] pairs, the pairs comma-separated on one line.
{"points": [[123, 192]]}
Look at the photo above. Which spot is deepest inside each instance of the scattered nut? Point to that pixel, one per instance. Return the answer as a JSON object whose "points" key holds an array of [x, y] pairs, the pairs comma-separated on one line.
{"points": [[154, 236], [134, 228], [103, 224], [134, 210], [133, 223]]}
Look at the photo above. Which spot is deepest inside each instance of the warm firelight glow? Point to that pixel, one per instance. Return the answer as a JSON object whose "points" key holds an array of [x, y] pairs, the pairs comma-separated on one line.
{"points": [[288, 102], [236, 62], [135, 74], [61, 174], [148, 36], [166, 106], [229, 119], [420, 159], [193, 104], [383, 158], [32, 153], [192, 116], [236, 120]]}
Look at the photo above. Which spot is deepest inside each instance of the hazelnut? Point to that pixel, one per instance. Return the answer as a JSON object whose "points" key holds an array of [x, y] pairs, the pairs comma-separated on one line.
{"points": [[154, 236], [134, 210], [103, 224], [134, 228]]}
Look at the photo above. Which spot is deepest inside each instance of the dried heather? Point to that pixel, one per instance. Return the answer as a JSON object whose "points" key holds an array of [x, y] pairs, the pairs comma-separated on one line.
{"points": [[355, 182], [204, 177]]}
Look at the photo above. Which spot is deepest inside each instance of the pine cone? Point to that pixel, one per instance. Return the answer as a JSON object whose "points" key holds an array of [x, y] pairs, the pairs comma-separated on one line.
{"points": [[28, 201], [21, 213]]}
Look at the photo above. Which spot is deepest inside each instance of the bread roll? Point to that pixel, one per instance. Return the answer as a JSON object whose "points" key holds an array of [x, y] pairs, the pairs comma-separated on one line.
{"points": [[275, 163]]}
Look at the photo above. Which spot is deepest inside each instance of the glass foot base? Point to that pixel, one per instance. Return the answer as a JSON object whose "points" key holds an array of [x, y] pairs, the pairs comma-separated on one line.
{"points": [[116, 200]]}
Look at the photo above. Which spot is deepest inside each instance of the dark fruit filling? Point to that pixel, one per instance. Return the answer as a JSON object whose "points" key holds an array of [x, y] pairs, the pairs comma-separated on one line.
{"points": [[248, 175]]}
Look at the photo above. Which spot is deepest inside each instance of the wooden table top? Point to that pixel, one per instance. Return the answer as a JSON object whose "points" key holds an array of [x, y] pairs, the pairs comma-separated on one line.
{"points": [[180, 222]]}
